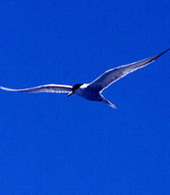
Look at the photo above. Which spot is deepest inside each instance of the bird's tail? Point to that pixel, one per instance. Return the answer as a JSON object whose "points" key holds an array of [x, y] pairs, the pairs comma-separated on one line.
{"points": [[109, 103]]}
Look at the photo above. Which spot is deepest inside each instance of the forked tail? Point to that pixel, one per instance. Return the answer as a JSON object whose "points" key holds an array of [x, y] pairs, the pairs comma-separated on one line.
{"points": [[109, 103]]}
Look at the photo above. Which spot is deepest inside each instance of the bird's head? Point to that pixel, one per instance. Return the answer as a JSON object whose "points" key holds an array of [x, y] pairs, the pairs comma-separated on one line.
{"points": [[74, 88]]}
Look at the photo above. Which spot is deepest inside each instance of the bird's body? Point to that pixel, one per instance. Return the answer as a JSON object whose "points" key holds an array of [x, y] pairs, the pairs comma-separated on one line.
{"points": [[88, 92], [92, 91]]}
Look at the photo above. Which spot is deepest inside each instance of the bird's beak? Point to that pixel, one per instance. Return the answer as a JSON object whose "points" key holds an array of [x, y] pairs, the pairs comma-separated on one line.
{"points": [[70, 94]]}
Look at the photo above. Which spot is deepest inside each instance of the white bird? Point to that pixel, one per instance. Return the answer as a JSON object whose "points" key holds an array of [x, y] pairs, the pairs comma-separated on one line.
{"points": [[92, 91]]}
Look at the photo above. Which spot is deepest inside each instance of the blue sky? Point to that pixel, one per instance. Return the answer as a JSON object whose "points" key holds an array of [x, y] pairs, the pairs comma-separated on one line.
{"points": [[50, 144]]}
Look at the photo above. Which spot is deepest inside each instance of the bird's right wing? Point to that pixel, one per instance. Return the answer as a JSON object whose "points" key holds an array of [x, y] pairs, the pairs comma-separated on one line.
{"points": [[49, 88], [115, 74]]}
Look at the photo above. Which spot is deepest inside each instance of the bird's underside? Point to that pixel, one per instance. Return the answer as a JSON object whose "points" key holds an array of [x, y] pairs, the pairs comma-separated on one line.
{"points": [[98, 85]]}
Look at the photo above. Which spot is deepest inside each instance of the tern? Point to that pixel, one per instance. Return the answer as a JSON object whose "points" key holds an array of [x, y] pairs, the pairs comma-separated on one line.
{"points": [[93, 91]]}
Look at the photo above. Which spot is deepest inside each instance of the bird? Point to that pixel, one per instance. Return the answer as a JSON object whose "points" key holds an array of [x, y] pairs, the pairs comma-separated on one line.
{"points": [[93, 90]]}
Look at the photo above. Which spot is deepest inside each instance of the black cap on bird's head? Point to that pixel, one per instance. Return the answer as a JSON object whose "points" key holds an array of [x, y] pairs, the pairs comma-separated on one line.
{"points": [[76, 86]]}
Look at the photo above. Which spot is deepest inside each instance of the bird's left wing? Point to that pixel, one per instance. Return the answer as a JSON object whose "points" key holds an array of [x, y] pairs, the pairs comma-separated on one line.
{"points": [[49, 88], [115, 74]]}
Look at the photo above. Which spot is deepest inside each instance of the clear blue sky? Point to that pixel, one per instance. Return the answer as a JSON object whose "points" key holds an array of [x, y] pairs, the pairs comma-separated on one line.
{"points": [[53, 145]]}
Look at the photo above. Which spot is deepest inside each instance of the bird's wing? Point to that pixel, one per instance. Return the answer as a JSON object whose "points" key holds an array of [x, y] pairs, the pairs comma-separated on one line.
{"points": [[115, 74], [50, 88]]}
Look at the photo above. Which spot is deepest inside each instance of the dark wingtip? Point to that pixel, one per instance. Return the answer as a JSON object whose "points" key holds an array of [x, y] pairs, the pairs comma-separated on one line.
{"points": [[158, 55], [162, 53]]}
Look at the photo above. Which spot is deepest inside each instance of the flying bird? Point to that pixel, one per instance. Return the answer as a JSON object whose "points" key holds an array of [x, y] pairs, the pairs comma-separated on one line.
{"points": [[92, 91]]}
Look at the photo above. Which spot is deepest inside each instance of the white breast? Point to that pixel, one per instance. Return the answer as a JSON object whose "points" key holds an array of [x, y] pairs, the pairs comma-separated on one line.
{"points": [[88, 93]]}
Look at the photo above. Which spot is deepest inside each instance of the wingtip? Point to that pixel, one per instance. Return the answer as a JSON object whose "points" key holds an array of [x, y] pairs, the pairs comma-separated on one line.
{"points": [[3, 88], [166, 50], [6, 89], [158, 55], [162, 53]]}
